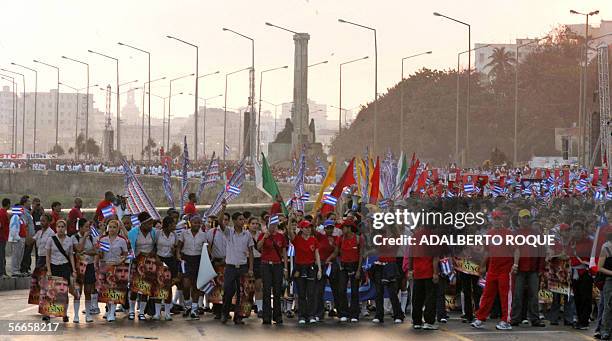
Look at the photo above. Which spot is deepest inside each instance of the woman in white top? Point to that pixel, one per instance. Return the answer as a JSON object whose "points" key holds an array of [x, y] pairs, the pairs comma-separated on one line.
{"points": [[84, 245], [60, 261], [255, 230], [166, 251], [116, 254]]}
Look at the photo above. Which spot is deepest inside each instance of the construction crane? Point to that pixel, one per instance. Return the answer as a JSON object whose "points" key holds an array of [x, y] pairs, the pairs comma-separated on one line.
{"points": [[107, 140], [604, 141]]}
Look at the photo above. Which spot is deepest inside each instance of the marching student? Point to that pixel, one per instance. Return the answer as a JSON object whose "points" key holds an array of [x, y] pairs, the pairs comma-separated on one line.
{"points": [[84, 245], [189, 252], [327, 246], [167, 252], [498, 262], [238, 262], [142, 241], [190, 207], [304, 274], [116, 254], [216, 239], [60, 260], [255, 231], [349, 250], [274, 267], [385, 273]]}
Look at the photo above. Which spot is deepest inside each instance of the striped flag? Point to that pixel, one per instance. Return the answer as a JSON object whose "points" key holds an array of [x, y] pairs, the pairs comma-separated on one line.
{"points": [[298, 186], [232, 189], [104, 246], [609, 196], [599, 196], [226, 150], [291, 250], [320, 168], [131, 255], [94, 232], [108, 211], [273, 220], [134, 220], [235, 181], [184, 170], [17, 210], [167, 183], [468, 188], [330, 200], [137, 199], [210, 177], [209, 287], [497, 190]]}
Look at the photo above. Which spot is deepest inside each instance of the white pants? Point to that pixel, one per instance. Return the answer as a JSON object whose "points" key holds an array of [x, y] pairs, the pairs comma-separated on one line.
{"points": [[16, 255]]}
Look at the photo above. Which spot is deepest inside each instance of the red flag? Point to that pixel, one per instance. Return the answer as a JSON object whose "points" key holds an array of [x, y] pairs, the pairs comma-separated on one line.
{"points": [[375, 183], [346, 180], [411, 176]]}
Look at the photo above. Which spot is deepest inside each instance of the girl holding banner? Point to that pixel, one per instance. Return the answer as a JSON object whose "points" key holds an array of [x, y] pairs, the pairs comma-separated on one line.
{"points": [[84, 244], [167, 252], [113, 250]]}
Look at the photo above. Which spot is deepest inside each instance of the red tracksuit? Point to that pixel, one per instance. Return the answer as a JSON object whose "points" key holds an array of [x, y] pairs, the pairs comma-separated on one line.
{"points": [[499, 280]]}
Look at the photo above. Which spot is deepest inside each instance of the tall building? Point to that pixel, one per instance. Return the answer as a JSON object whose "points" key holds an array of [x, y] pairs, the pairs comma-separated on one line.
{"points": [[484, 54]]}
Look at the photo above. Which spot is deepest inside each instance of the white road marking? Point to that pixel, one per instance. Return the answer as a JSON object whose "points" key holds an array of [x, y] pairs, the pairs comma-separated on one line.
{"points": [[28, 309]]}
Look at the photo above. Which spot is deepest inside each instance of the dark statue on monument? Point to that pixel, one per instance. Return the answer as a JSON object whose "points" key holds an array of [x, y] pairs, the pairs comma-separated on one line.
{"points": [[284, 136]]}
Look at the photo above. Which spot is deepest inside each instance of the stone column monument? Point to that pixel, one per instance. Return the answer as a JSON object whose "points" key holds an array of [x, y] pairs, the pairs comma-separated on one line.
{"points": [[299, 110]]}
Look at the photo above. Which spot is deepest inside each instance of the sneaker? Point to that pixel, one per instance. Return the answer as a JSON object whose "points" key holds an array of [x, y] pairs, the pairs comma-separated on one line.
{"points": [[131, 316], [538, 323], [375, 321], [194, 315], [525, 322], [46, 318], [312, 321], [110, 318], [302, 321], [96, 311], [88, 319], [605, 337], [318, 319], [343, 319], [354, 320], [398, 321], [417, 326], [443, 320], [156, 318], [118, 309], [503, 325], [168, 317], [427, 326], [75, 319], [142, 317], [477, 324]]}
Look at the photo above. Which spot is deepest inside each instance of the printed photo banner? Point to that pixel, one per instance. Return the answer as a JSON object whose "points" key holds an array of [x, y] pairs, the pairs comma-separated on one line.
{"points": [[466, 266], [112, 283], [151, 277], [38, 279], [559, 276], [54, 297]]}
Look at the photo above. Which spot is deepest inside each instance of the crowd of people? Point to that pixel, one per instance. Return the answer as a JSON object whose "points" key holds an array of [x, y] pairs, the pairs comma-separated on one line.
{"points": [[292, 258]]}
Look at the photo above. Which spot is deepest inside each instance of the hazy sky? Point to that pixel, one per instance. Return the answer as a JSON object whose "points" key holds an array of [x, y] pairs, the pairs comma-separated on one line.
{"points": [[48, 29]]}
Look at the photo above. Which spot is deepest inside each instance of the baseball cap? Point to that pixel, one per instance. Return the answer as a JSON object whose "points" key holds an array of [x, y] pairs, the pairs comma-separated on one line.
{"points": [[329, 222], [304, 224], [524, 213]]}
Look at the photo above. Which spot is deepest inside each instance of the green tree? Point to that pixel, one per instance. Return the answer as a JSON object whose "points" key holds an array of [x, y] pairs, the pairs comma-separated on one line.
{"points": [[57, 149], [501, 63]]}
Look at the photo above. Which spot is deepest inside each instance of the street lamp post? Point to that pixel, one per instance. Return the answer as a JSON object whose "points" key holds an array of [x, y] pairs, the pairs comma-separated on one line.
{"points": [[402, 99], [86, 100], [164, 113], [195, 110], [582, 116], [204, 119], [340, 92], [467, 114], [170, 105], [23, 109], [14, 128], [375, 79], [56, 100], [225, 110], [35, 98], [118, 104], [251, 95], [144, 90], [76, 125], [259, 110]]}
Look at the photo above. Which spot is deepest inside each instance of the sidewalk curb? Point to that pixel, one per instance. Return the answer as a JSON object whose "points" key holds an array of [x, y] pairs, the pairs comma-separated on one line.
{"points": [[18, 283]]}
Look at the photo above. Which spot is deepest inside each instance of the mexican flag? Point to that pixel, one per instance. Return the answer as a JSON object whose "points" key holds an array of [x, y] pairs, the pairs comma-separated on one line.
{"points": [[265, 181]]}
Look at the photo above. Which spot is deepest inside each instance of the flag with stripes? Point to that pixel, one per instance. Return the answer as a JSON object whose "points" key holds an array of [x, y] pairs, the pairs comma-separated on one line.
{"points": [[450, 194], [226, 150], [291, 250], [131, 255], [298, 185], [468, 188], [167, 183], [137, 199], [330, 200], [184, 170], [599, 196], [17, 210], [210, 177], [104, 246], [209, 287], [235, 181], [273, 220], [232, 189], [609, 196], [497, 190], [108, 211], [94, 232], [320, 168], [134, 220], [446, 267]]}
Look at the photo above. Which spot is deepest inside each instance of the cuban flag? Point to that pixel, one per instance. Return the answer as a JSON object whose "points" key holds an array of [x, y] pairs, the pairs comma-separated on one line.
{"points": [[383, 203], [609, 196], [446, 266], [599, 196], [273, 220], [482, 282], [330, 200], [94, 232], [450, 194], [232, 189], [135, 221], [305, 197], [527, 191], [209, 287], [468, 188], [497, 190], [226, 150], [581, 188], [108, 211], [550, 179], [104, 246], [17, 210], [291, 250]]}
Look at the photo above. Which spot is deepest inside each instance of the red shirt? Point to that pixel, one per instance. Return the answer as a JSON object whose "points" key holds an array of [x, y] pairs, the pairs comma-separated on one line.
{"points": [[326, 247], [54, 218], [305, 249], [501, 257], [270, 252], [349, 248], [190, 208], [102, 204], [581, 249], [74, 214], [4, 225], [422, 261]]}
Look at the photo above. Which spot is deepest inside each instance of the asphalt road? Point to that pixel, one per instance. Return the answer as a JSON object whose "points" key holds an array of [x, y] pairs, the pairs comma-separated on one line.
{"points": [[14, 308]]}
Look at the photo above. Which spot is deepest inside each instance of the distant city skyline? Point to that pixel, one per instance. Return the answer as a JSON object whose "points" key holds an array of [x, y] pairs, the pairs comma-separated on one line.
{"points": [[46, 30]]}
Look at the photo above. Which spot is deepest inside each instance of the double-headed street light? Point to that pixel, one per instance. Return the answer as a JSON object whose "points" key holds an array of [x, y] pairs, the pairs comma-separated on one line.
{"points": [[117, 93], [259, 111], [24, 108], [251, 94], [340, 92], [87, 98], [144, 87], [195, 109], [170, 105], [225, 111], [375, 79], [14, 129], [35, 98], [76, 125], [56, 100], [467, 114], [402, 98]]}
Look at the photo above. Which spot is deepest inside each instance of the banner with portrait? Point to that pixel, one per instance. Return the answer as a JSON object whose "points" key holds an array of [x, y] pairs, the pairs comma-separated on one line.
{"points": [[151, 277], [54, 297], [38, 279], [112, 283], [216, 296], [81, 265], [466, 266], [559, 276]]}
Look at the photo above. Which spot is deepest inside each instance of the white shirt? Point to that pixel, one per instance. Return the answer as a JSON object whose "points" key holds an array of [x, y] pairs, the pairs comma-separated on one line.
{"points": [[144, 244], [192, 245], [89, 246], [117, 248], [57, 258], [42, 237], [165, 244]]}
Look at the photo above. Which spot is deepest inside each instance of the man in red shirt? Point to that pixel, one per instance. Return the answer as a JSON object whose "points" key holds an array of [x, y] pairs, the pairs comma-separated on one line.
{"points": [[579, 250], [327, 246], [56, 209], [385, 273], [190, 208], [349, 247], [527, 274], [422, 268], [74, 215], [4, 232], [499, 261], [273, 247], [109, 197]]}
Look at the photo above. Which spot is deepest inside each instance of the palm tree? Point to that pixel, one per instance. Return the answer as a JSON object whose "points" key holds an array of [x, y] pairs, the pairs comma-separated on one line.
{"points": [[501, 63]]}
